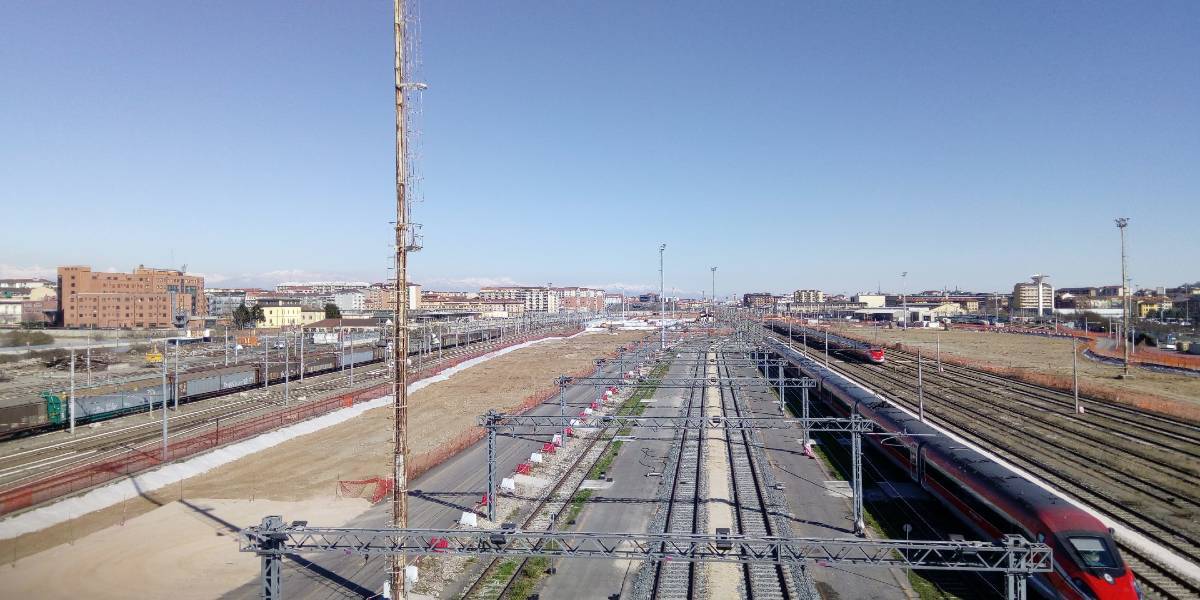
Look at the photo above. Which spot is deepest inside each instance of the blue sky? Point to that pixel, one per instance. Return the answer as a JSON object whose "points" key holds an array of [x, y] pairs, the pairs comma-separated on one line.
{"points": [[828, 145]]}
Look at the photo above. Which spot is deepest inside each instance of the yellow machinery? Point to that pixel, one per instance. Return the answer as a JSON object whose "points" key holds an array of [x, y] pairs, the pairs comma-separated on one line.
{"points": [[154, 357]]}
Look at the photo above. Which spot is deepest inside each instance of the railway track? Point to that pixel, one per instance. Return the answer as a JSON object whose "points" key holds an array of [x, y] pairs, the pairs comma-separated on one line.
{"points": [[486, 584], [1122, 462], [22, 465], [751, 508], [674, 579]]}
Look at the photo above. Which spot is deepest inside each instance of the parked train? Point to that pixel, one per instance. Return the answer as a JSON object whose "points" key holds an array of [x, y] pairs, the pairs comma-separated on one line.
{"points": [[855, 348], [51, 410], [989, 496]]}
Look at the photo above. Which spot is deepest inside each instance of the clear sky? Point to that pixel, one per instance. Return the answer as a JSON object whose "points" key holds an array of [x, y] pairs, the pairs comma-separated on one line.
{"points": [[828, 144]]}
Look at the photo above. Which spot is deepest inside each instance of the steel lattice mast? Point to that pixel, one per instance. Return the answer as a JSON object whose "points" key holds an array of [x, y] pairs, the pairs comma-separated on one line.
{"points": [[400, 319]]}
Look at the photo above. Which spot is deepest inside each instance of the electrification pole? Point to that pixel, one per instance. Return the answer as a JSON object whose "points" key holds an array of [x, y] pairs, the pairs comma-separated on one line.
{"points": [[1122, 223]]}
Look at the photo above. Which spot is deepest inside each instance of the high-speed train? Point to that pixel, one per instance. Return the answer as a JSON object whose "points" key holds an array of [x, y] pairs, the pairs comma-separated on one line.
{"points": [[993, 499]]}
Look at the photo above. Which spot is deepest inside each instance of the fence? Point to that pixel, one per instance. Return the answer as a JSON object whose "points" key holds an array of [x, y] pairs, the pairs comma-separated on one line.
{"points": [[150, 455]]}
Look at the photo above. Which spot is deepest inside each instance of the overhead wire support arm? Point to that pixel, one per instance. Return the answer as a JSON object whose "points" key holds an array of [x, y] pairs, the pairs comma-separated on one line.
{"points": [[1014, 556]]}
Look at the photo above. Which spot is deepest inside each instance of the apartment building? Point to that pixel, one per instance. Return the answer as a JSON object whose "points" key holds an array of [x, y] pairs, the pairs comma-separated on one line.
{"points": [[380, 296], [580, 299], [141, 299], [1037, 296], [535, 299], [808, 296]]}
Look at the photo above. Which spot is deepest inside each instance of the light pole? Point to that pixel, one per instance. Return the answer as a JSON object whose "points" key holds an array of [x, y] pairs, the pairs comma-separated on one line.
{"points": [[714, 292], [1122, 223], [904, 297], [662, 298]]}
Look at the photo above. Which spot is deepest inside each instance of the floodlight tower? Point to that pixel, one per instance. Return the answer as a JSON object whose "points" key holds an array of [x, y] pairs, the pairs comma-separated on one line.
{"points": [[1122, 223], [662, 298]]}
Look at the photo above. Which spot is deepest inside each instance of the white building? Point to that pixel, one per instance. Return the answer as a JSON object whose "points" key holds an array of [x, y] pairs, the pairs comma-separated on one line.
{"points": [[808, 296], [1037, 296], [350, 301], [536, 299]]}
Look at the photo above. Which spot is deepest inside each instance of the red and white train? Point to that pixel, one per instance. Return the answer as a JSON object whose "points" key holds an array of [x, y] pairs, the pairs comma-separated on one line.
{"points": [[990, 497], [816, 337]]}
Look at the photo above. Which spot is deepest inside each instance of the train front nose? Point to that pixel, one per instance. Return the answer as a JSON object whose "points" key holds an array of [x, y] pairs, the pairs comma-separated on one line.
{"points": [[877, 355]]}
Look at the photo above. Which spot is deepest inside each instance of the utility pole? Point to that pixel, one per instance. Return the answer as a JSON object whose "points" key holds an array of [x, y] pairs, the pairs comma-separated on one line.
{"points": [[1122, 223], [175, 384], [1075, 371], [164, 404], [71, 398], [400, 319], [662, 298], [920, 388], [904, 296]]}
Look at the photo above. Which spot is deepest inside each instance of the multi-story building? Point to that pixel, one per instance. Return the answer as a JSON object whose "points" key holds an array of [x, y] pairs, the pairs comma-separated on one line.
{"points": [[222, 302], [535, 299], [758, 300], [127, 300], [350, 301], [1037, 296], [320, 287], [580, 299], [280, 312], [484, 308], [22, 286], [808, 296], [380, 296]]}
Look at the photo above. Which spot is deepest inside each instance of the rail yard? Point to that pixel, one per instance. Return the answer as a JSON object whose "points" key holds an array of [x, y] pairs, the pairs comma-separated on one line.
{"points": [[933, 386], [702, 441]]}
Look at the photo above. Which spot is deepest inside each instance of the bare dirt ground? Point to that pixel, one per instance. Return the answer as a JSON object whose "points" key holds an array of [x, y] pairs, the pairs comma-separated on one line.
{"points": [[1051, 356], [188, 550], [302, 471]]}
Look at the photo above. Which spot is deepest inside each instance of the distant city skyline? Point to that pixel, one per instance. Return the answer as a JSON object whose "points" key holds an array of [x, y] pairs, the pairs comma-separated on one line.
{"points": [[790, 145]]}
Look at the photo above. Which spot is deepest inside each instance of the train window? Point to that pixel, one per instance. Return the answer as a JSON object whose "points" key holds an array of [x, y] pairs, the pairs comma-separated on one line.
{"points": [[1094, 552]]}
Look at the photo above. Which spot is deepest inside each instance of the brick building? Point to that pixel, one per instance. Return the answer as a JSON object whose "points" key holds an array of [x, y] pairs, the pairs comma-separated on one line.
{"points": [[127, 300]]}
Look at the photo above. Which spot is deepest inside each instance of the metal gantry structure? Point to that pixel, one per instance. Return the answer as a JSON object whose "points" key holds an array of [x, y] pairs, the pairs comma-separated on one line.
{"points": [[1014, 556]]}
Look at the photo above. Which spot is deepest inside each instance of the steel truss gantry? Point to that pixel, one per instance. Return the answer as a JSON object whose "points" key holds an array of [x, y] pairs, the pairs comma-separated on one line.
{"points": [[855, 425], [271, 540]]}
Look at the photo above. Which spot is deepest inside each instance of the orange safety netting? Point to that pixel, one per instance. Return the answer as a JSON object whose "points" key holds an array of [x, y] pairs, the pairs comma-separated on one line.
{"points": [[374, 489]]}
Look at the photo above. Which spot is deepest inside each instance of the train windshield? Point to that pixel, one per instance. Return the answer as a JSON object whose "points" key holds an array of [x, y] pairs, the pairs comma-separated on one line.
{"points": [[1094, 552]]}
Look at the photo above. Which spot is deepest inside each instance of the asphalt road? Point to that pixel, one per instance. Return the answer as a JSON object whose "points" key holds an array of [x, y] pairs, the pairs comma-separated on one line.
{"points": [[436, 499], [626, 506]]}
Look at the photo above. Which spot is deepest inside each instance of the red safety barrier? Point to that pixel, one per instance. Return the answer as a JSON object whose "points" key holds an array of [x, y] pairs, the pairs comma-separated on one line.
{"points": [[149, 455], [524, 469], [549, 448]]}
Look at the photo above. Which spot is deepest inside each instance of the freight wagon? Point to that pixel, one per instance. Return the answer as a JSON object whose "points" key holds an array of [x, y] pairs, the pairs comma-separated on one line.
{"points": [[51, 410]]}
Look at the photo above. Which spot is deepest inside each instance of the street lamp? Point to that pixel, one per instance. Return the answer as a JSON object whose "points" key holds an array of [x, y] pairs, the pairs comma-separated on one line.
{"points": [[904, 297]]}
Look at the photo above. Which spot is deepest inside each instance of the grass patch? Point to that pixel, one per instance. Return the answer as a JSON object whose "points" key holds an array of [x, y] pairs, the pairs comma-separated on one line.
{"points": [[605, 461], [505, 571], [576, 506]]}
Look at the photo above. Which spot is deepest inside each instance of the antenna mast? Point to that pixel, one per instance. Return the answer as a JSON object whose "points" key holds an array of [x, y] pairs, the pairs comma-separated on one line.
{"points": [[400, 320]]}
